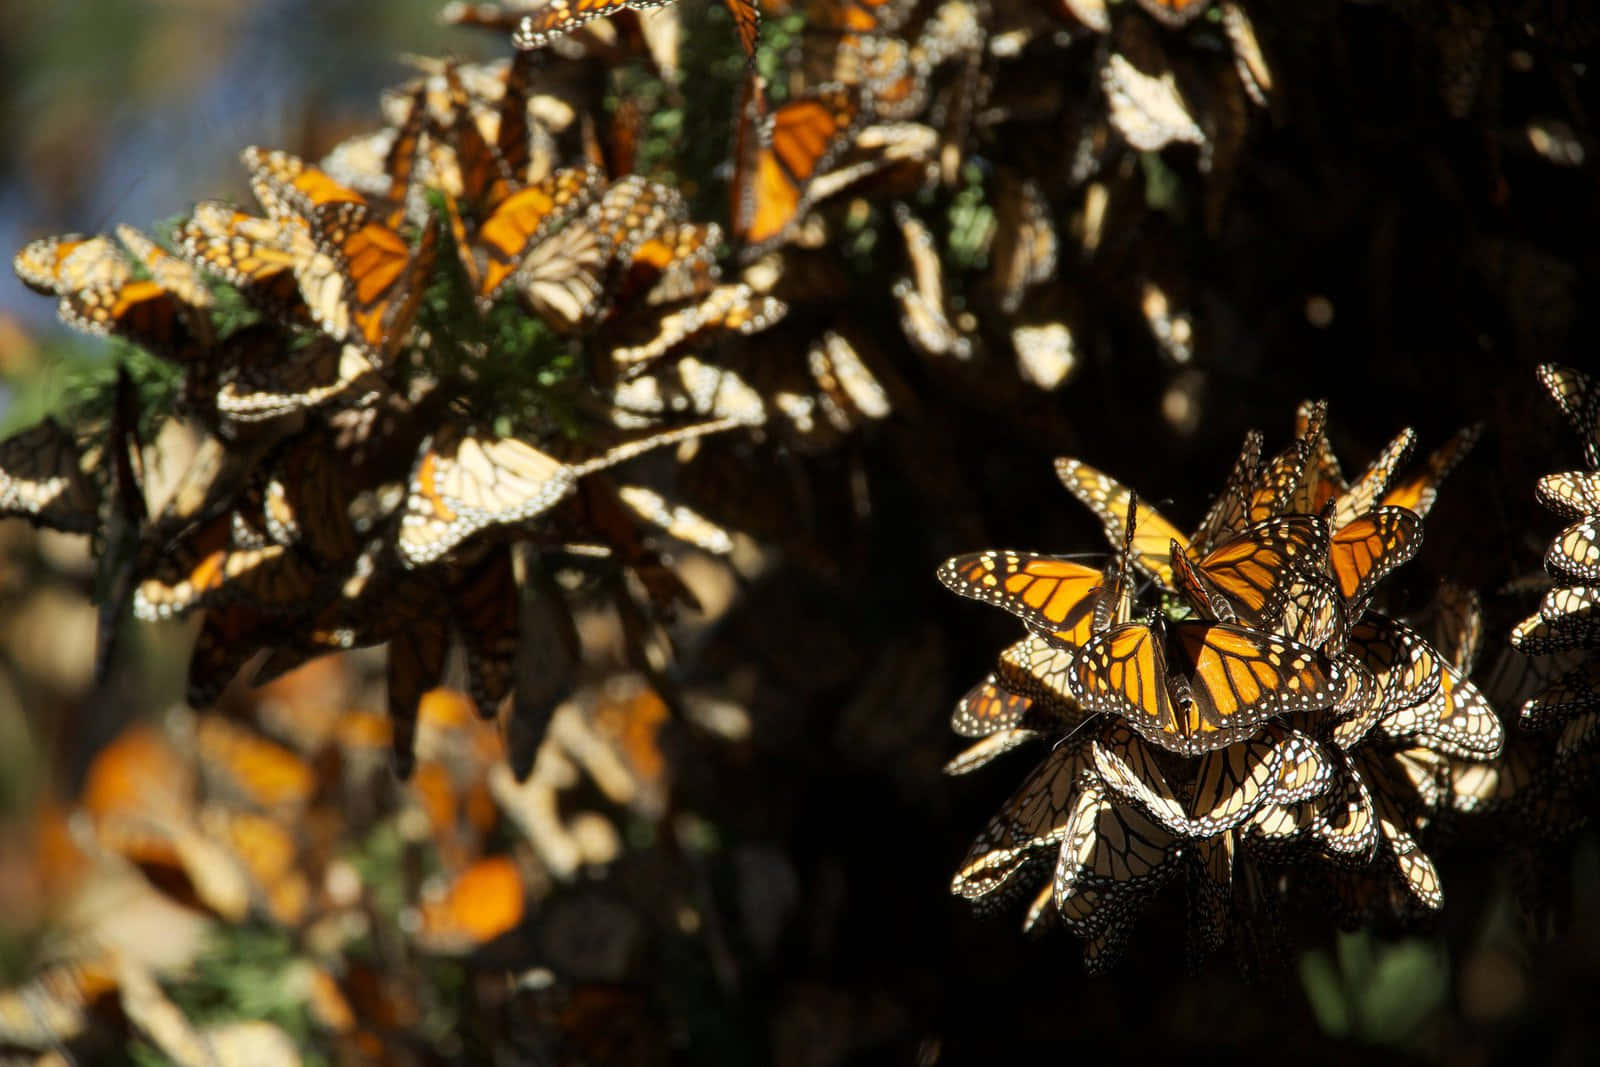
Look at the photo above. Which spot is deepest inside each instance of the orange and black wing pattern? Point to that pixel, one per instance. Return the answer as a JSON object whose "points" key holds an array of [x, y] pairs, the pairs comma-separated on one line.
{"points": [[1253, 571], [1201, 686], [1362, 553], [1055, 596], [1152, 541], [779, 154]]}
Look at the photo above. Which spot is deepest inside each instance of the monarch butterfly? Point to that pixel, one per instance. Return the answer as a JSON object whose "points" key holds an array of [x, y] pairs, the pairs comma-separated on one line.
{"points": [[43, 480], [249, 770], [1362, 553], [465, 481], [1418, 492], [39, 263], [482, 184], [923, 312], [1050, 594], [1151, 550], [1416, 870], [1280, 484], [522, 221], [100, 296], [849, 391], [1404, 672], [1229, 783], [1192, 687], [363, 281], [1228, 513], [1143, 102], [1106, 844], [254, 255], [1455, 720], [676, 520], [1574, 555], [256, 390], [1030, 823], [1567, 618], [205, 567], [1175, 12], [1306, 771], [1343, 823], [735, 308], [1574, 693], [1579, 399], [304, 502], [988, 749], [1248, 577], [777, 156], [1249, 62], [1025, 242], [1570, 493], [563, 277], [1362, 495], [675, 263], [688, 386], [1453, 624]]}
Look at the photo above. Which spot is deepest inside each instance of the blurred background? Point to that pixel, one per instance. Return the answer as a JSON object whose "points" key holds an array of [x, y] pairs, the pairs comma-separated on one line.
{"points": [[767, 880]]}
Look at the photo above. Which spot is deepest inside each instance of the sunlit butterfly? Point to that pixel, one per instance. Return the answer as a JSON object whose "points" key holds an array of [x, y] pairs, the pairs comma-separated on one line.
{"points": [[1362, 553], [923, 312], [777, 156], [1418, 491], [1229, 783], [363, 282], [1144, 104], [257, 256], [1195, 686], [1568, 617], [1570, 493], [477, 905], [734, 308], [1109, 845], [1109, 499], [1579, 399], [1051, 594], [1032, 823], [1281, 482], [1574, 555]]}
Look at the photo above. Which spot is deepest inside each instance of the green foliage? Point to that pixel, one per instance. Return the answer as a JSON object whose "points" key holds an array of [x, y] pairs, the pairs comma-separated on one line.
{"points": [[1375, 991], [248, 973], [972, 221]]}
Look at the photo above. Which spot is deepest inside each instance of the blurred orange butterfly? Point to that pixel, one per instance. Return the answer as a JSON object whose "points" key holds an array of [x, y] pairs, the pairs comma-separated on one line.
{"points": [[777, 155]]}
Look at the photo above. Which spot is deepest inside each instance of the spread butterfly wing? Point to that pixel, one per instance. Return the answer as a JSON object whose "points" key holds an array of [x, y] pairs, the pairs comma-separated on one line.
{"points": [[1108, 499], [1053, 595]]}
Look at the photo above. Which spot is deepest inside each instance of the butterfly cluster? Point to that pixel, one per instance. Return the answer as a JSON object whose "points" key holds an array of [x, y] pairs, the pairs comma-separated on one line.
{"points": [[1551, 670], [1257, 710], [444, 337], [283, 823]]}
